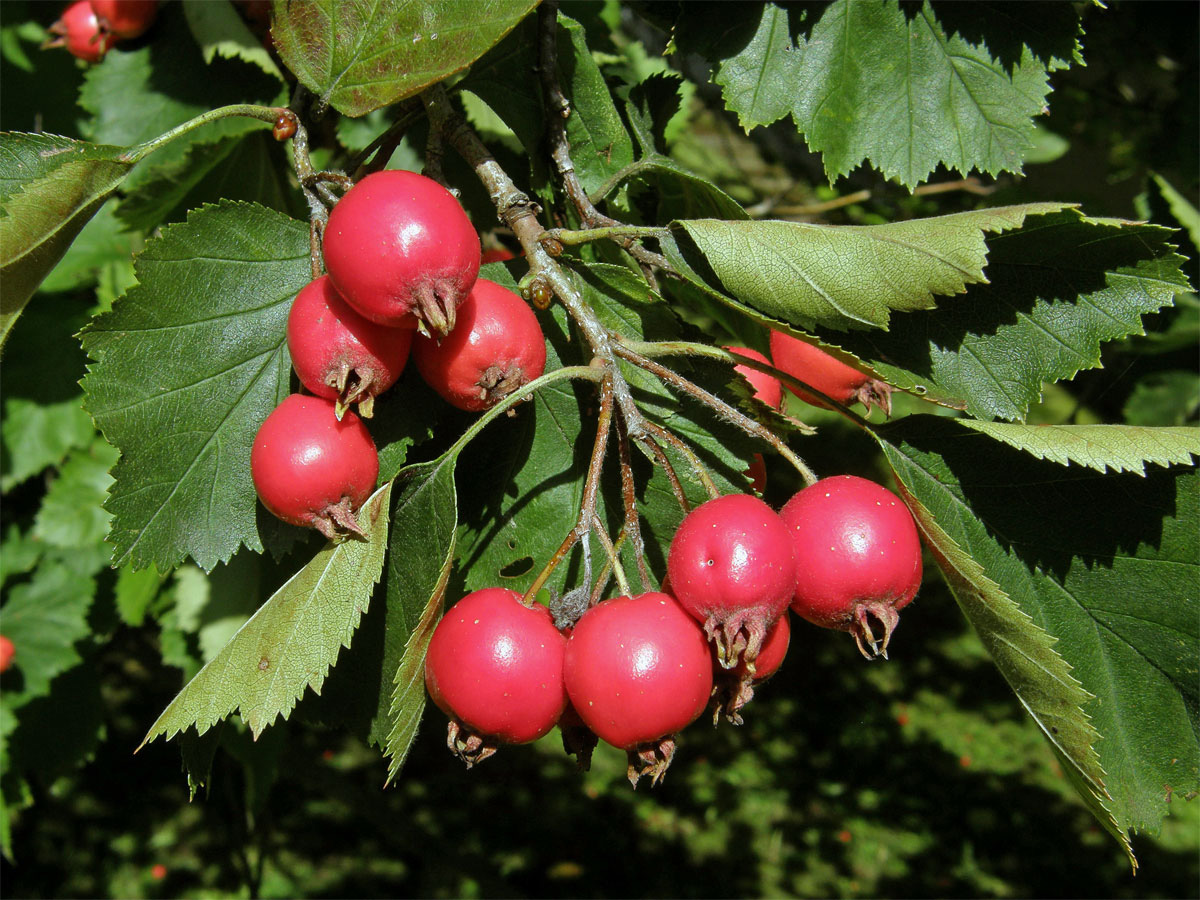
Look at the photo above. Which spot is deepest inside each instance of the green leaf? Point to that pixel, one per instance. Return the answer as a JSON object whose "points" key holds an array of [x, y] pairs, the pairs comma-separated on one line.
{"points": [[1163, 398], [1184, 212], [40, 435], [72, 512], [218, 286], [19, 553], [49, 188], [134, 592], [890, 84], [1122, 448], [139, 94], [1056, 290], [422, 552], [291, 642], [358, 57], [220, 31], [1105, 565], [44, 617], [680, 192], [847, 276], [246, 167], [100, 247], [600, 145]]}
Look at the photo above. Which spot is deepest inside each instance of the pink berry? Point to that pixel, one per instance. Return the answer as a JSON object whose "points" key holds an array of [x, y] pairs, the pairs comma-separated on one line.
{"points": [[125, 18], [339, 354], [495, 667], [767, 388], [401, 251], [858, 555], [638, 670], [80, 32], [496, 347], [827, 374], [732, 566], [312, 470]]}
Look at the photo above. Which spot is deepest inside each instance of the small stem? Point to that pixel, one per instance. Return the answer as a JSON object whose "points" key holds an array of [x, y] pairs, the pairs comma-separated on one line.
{"points": [[720, 407], [615, 560], [266, 114], [652, 349], [664, 461], [586, 373], [660, 433], [633, 526], [583, 236], [591, 491]]}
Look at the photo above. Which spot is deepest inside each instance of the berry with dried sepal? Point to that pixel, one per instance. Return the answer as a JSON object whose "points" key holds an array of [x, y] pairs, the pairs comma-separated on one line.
{"points": [[495, 667], [732, 566], [312, 470], [401, 251], [858, 555], [827, 374], [339, 354], [638, 670], [496, 347]]}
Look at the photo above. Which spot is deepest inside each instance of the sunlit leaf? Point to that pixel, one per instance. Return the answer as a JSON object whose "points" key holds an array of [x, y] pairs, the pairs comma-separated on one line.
{"points": [[293, 640]]}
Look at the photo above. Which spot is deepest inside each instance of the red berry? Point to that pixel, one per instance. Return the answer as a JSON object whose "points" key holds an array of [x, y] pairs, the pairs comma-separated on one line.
{"points": [[496, 347], [732, 566], [7, 652], [401, 250], [757, 473], [495, 667], [125, 19], [858, 555], [496, 254], [827, 374], [79, 31], [766, 387], [638, 670], [158, 871], [340, 355], [310, 469]]}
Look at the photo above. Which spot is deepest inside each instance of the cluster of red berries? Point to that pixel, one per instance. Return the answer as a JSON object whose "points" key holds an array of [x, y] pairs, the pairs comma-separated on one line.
{"points": [[403, 263], [843, 553], [89, 28]]}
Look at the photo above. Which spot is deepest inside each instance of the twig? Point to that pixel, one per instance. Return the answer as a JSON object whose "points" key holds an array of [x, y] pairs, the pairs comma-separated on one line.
{"points": [[558, 110], [633, 526], [613, 558], [719, 406]]}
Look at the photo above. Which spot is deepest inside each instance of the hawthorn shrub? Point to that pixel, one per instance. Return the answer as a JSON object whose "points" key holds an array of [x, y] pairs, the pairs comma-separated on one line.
{"points": [[1003, 340]]}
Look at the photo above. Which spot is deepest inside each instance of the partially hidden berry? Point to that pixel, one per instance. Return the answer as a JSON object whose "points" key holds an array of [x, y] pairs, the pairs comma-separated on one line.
{"points": [[401, 251], [858, 555], [827, 374], [125, 19], [638, 670], [734, 688], [496, 254], [767, 388], [495, 667], [79, 31], [310, 469], [339, 354], [496, 347], [7, 653], [732, 566]]}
